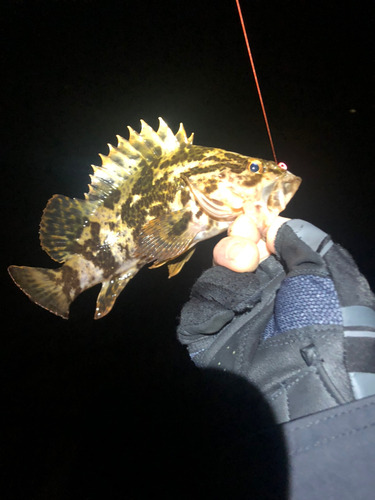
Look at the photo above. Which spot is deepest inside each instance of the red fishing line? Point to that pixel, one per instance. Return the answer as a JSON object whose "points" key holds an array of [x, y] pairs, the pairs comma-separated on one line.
{"points": [[256, 78]]}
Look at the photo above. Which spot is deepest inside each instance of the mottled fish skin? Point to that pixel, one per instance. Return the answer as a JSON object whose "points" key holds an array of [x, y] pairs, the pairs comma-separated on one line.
{"points": [[152, 200]]}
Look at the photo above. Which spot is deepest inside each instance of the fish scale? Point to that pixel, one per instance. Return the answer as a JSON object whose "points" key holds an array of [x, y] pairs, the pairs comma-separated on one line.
{"points": [[154, 197]]}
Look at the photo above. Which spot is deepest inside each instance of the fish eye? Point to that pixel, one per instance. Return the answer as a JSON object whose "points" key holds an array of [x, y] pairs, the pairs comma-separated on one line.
{"points": [[256, 167]]}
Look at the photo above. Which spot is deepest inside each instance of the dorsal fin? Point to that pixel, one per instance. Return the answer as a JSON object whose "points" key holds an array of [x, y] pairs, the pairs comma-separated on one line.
{"points": [[130, 155]]}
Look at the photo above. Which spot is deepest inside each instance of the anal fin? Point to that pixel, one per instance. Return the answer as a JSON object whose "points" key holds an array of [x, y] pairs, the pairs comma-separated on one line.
{"points": [[109, 292]]}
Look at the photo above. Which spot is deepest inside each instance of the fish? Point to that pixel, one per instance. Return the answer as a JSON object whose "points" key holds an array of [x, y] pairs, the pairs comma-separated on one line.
{"points": [[153, 199]]}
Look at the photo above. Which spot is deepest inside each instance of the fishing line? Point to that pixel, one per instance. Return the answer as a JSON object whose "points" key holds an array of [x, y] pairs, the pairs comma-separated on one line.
{"points": [[256, 78]]}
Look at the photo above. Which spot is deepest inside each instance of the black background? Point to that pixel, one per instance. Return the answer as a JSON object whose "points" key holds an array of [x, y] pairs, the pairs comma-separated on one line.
{"points": [[89, 405]]}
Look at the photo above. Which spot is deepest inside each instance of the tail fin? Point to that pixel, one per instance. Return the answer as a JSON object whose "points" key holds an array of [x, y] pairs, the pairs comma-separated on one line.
{"points": [[45, 287]]}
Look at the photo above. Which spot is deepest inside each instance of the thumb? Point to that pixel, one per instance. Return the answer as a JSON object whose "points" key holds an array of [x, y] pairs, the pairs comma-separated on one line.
{"points": [[237, 253], [272, 232]]}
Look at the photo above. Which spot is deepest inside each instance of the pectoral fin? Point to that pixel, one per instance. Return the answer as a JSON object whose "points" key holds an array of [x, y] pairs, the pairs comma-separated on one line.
{"points": [[166, 237]]}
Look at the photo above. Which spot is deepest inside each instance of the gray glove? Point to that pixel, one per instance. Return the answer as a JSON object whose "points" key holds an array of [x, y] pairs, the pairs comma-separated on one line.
{"points": [[301, 327]]}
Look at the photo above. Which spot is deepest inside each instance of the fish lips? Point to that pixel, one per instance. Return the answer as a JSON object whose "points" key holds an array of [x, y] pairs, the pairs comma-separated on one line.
{"points": [[277, 195]]}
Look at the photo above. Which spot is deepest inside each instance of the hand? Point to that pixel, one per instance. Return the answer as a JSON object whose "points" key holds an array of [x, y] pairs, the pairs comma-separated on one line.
{"points": [[243, 249]]}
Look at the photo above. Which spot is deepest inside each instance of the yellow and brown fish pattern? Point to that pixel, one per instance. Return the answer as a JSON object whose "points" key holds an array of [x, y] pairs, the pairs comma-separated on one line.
{"points": [[153, 199]]}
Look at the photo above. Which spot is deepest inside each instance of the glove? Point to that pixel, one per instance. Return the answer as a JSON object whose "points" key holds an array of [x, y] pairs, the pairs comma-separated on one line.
{"points": [[301, 327]]}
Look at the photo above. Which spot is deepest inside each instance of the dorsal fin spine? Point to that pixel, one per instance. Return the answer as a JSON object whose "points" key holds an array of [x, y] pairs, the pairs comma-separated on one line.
{"points": [[123, 161]]}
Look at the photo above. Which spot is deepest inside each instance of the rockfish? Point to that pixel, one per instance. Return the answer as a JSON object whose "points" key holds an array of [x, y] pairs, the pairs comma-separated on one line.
{"points": [[153, 199]]}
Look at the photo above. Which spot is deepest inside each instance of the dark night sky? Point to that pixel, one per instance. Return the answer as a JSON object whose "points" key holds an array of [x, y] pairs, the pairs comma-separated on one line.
{"points": [[75, 74]]}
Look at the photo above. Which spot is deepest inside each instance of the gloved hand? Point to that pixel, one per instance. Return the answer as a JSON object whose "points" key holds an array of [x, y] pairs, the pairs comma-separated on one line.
{"points": [[299, 324]]}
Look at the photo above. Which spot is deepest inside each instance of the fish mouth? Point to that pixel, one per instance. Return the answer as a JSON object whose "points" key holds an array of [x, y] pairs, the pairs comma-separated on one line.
{"points": [[278, 195]]}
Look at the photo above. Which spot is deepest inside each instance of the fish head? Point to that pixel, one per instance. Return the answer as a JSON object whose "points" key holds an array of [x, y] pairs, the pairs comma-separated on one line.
{"points": [[222, 191]]}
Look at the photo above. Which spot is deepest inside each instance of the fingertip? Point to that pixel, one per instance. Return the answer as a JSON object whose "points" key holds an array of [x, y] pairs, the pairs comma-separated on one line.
{"points": [[244, 227], [236, 253]]}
